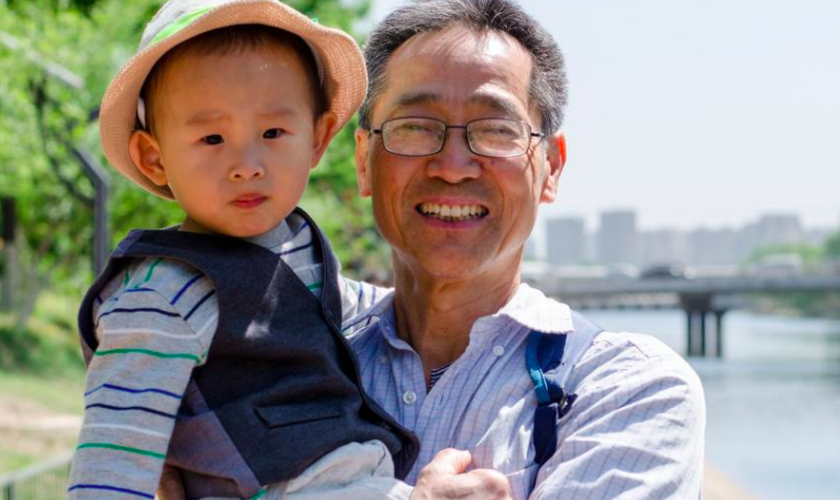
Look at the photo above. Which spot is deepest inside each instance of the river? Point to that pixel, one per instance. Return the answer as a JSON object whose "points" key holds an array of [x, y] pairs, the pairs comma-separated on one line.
{"points": [[773, 403]]}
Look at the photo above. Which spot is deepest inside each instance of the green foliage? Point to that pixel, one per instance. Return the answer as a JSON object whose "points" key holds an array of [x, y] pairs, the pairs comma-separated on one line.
{"points": [[46, 344], [41, 118], [803, 304], [810, 254], [832, 246], [812, 304], [42, 347]]}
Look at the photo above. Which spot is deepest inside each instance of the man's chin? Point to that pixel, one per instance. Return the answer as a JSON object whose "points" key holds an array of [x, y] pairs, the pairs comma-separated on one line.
{"points": [[447, 264]]}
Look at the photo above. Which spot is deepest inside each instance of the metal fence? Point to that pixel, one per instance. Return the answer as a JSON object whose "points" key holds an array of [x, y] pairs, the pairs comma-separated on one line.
{"points": [[43, 481]]}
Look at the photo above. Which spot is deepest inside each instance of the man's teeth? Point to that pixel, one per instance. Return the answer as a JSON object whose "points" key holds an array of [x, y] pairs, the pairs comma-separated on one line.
{"points": [[451, 213]]}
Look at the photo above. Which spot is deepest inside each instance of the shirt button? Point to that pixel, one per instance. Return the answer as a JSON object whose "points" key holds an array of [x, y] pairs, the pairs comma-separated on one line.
{"points": [[498, 350], [383, 359], [409, 397]]}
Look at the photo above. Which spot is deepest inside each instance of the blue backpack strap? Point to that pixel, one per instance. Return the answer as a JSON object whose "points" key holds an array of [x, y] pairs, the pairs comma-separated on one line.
{"points": [[544, 355]]}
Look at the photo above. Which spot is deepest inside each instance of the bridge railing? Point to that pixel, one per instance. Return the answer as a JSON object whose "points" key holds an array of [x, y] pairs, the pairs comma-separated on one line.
{"points": [[42, 481]]}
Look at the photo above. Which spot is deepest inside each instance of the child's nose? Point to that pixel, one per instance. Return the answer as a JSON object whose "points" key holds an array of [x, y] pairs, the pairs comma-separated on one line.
{"points": [[247, 169]]}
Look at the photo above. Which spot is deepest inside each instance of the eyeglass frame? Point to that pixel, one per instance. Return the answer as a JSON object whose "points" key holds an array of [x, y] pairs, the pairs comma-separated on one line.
{"points": [[446, 127]]}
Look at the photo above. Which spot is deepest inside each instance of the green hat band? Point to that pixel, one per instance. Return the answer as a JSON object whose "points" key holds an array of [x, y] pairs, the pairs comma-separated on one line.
{"points": [[179, 24]]}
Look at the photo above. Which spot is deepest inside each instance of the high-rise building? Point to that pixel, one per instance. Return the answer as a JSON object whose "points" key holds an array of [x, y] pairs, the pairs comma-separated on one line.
{"points": [[617, 238], [716, 247], [779, 229], [771, 230], [566, 241], [666, 246]]}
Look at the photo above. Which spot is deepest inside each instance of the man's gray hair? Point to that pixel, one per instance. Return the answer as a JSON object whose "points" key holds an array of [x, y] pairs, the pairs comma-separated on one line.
{"points": [[549, 88]]}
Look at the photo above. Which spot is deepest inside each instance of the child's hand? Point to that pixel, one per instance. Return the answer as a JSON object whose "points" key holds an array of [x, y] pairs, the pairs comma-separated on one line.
{"points": [[171, 487], [444, 478]]}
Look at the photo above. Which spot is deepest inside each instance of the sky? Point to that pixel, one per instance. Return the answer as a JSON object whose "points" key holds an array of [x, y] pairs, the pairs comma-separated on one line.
{"points": [[697, 113]]}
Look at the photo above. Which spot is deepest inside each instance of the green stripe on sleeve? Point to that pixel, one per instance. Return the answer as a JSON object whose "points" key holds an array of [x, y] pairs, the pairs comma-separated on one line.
{"points": [[315, 286], [127, 449], [149, 352]]}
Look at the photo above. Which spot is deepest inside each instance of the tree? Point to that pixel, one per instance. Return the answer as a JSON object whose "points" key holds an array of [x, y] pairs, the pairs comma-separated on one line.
{"points": [[40, 118], [832, 246]]}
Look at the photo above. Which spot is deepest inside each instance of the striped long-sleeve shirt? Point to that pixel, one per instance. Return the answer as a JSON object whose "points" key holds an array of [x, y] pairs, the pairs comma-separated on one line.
{"points": [[636, 431], [154, 325]]}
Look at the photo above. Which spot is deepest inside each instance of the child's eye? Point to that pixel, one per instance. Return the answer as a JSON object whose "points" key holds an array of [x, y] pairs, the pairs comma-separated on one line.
{"points": [[273, 133], [213, 139]]}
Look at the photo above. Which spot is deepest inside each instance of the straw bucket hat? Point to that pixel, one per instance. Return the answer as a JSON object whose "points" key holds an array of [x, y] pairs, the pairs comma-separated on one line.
{"points": [[340, 66]]}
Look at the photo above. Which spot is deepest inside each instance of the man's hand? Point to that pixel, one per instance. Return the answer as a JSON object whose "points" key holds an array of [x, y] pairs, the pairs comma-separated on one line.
{"points": [[171, 487], [444, 479]]}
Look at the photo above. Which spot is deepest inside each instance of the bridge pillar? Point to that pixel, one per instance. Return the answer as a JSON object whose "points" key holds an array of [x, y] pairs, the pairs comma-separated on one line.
{"points": [[689, 333], [696, 307], [719, 332]]}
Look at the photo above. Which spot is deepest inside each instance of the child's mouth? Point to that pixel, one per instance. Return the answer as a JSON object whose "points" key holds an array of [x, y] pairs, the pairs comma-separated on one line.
{"points": [[249, 201]]}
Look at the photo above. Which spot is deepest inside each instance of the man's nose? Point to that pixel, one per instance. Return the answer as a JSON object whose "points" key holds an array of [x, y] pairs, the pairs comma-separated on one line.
{"points": [[455, 162]]}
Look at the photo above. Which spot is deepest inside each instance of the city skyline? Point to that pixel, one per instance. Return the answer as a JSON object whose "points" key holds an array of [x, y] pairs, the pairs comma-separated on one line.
{"points": [[697, 114], [618, 239], [591, 220]]}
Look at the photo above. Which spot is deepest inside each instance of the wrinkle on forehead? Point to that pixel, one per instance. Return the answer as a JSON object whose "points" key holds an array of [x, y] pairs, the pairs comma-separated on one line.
{"points": [[457, 66]]}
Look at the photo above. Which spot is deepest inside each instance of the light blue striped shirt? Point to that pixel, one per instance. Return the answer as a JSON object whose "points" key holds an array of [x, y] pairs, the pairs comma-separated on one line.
{"points": [[635, 432]]}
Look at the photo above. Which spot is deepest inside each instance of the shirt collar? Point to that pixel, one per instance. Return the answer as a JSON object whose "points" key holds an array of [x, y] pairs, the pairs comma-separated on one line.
{"points": [[531, 309], [528, 308], [273, 237]]}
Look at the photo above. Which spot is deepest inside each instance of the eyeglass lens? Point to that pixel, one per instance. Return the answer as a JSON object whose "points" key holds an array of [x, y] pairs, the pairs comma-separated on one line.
{"points": [[425, 136]]}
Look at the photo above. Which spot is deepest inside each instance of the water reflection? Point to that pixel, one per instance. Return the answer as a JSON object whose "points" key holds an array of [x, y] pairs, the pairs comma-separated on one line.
{"points": [[773, 403]]}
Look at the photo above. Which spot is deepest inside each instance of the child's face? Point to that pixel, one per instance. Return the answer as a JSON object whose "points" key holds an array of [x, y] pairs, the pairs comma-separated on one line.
{"points": [[235, 138]]}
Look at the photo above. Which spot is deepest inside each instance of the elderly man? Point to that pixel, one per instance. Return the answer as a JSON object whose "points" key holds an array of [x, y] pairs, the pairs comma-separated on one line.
{"points": [[458, 145]]}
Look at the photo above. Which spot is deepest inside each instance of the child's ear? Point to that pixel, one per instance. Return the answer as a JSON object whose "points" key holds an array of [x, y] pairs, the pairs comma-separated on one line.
{"points": [[145, 153], [325, 128]]}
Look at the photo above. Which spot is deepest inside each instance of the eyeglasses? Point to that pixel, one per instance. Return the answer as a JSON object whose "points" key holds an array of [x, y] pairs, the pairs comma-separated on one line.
{"points": [[495, 137]]}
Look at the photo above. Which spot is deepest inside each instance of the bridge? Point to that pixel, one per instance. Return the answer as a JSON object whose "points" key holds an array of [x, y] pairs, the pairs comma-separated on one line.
{"points": [[698, 297]]}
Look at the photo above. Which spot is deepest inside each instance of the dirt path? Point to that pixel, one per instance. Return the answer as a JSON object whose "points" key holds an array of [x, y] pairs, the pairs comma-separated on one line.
{"points": [[28, 416], [29, 433]]}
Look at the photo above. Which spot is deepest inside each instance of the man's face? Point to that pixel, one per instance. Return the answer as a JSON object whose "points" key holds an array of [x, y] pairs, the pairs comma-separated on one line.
{"points": [[457, 75]]}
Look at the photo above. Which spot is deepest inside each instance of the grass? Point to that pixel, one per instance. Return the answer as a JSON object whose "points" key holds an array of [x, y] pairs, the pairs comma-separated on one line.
{"points": [[47, 346], [41, 378], [52, 395], [27, 399]]}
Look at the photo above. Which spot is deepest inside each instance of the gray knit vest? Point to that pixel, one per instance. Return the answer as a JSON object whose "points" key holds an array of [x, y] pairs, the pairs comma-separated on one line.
{"points": [[281, 387]]}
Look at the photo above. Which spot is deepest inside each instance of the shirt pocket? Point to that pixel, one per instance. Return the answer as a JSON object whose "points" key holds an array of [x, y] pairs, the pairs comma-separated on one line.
{"points": [[289, 414]]}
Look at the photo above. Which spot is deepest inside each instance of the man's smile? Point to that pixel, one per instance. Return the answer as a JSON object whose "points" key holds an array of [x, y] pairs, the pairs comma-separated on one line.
{"points": [[452, 212]]}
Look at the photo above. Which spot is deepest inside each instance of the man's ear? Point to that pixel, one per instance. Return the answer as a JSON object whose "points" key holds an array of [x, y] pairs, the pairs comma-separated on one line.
{"points": [[323, 132], [362, 164], [556, 159], [145, 153]]}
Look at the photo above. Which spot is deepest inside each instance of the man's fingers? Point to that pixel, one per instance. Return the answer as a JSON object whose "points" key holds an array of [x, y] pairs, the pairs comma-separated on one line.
{"points": [[490, 483], [450, 461]]}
